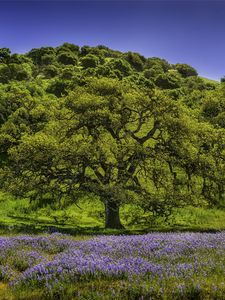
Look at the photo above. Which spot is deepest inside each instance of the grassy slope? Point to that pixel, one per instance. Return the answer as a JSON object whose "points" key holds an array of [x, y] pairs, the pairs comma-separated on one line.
{"points": [[15, 216]]}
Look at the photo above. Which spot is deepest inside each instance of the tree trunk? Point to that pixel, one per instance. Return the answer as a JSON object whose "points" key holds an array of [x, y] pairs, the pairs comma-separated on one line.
{"points": [[112, 215]]}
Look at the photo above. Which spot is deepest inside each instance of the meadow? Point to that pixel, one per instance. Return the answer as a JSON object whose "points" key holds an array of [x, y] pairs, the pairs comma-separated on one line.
{"points": [[17, 216], [140, 262], [150, 266]]}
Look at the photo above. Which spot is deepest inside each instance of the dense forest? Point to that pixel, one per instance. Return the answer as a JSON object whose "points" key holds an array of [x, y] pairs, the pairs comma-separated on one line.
{"points": [[119, 126]]}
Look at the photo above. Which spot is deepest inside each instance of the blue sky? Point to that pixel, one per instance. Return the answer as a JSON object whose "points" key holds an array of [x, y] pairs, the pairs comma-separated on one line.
{"points": [[179, 31]]}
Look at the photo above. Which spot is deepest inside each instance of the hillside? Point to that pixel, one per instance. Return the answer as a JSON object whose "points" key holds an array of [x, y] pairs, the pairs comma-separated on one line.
{"points": [[135, 136]]}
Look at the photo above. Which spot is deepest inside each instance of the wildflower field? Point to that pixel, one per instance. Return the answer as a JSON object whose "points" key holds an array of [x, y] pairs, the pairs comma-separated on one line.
{"points": [[151, 266]]}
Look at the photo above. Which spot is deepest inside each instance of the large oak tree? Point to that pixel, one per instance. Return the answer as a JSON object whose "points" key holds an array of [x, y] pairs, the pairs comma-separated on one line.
{"points": [[112, 141]]}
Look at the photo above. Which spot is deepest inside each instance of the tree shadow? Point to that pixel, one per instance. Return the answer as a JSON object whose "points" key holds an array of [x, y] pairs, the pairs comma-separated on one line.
{"points": [[43, 227]]}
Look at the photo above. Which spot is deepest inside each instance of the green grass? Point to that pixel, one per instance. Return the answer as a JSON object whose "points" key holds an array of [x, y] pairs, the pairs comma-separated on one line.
{"points": [[199, 218], [83, 221], [16, 216]]}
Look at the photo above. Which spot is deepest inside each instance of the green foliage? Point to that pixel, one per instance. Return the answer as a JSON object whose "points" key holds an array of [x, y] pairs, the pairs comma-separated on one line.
{"points": [[117, 126], [48, 59], [50, 71], [68, 72], [57, 87], [4, 55], [211, 108], [120, 67], [12, 97], [14, 71], [186, 70], [140, 80], [37, 54], [157, 62], [89, 61], [195, 83], [193, 98], [136, 60], [153, 72], [67, 58], [167, 81], [68, 47], [19, 59]]}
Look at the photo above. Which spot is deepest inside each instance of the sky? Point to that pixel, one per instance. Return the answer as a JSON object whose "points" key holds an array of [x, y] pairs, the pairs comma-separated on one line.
{"points": [[181, 31]]}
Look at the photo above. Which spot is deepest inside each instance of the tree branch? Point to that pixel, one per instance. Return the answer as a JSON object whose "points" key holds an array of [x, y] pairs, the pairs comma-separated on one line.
{"points": [[147, 136]]}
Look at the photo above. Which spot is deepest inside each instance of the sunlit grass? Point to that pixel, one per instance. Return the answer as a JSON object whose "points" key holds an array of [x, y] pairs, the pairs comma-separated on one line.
{"points": [[16, 216]]}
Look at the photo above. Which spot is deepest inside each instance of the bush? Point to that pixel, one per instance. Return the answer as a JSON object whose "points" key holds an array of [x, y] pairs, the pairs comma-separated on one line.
{"points": [[67, 58], [135, 60], [89, 61], [186, 70], [50, 71], [167, 81], [120, 65], [58, 88]]}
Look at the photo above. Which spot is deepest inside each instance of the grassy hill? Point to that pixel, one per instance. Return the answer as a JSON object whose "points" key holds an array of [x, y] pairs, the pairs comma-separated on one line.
{"points": [[112, 125]]}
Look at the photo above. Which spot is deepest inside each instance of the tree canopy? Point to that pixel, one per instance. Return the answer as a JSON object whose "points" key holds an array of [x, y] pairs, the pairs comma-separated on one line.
{"points": [[117, 126]]}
